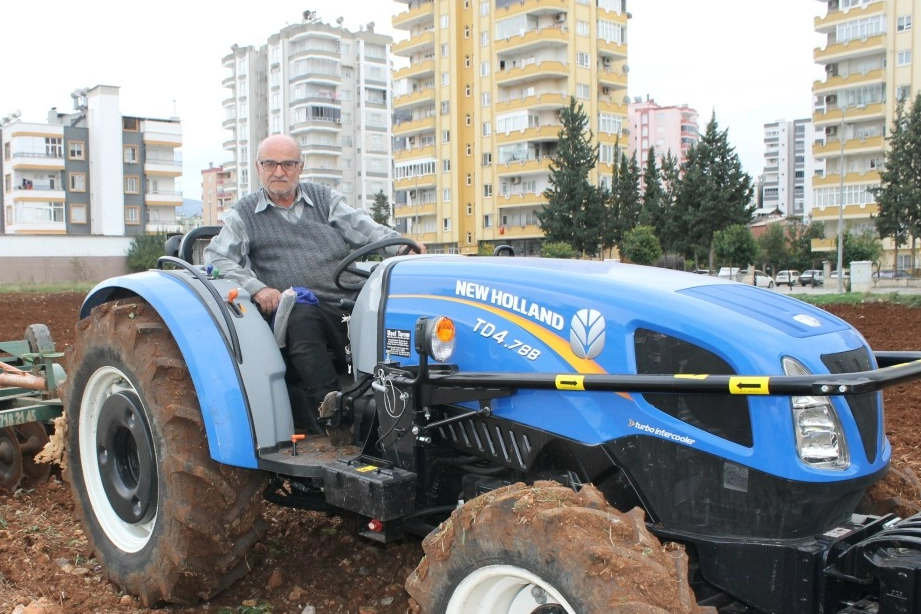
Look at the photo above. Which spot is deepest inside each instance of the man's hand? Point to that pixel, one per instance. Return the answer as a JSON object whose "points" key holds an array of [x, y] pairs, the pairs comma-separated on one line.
{"points": [[267, 299]]}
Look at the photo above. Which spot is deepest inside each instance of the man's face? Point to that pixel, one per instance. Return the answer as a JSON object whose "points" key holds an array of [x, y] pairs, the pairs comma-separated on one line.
{"points": [[280, 183]]}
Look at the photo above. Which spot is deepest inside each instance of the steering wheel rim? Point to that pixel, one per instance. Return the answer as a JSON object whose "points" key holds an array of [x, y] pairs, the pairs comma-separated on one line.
{"points": [[346, 264]]}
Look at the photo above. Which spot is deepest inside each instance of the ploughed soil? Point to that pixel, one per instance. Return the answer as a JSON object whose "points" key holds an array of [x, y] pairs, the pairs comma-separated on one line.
{"points": [[306, 558]]}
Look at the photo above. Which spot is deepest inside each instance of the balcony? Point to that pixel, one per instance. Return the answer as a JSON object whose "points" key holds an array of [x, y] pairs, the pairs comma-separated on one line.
{"points": [[617, 51], [833, 83], [613, 79], [834, 52], [831, 116], [831, 180], [538, 39], [834, 18], [549, 132], [422, 182], [22, 160], [519, 199], [415, 17], [542, 101], [521, 75], [521, 167], [165, 139], [163, 197], [413, 127], [162, 166], [416, 71], [420, 43], [420, 96], [42, 192], [410, 153]]}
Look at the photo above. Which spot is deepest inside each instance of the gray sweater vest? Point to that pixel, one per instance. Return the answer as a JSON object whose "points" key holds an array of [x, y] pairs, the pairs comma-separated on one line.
{"points": [[284, 254]]}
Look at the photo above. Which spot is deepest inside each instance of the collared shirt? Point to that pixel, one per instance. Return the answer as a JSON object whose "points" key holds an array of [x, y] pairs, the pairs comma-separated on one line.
{"points": [[229, 250]]}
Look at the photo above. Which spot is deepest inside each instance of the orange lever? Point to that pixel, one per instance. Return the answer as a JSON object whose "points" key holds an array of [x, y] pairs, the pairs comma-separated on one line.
{"points": [[294, 439]]}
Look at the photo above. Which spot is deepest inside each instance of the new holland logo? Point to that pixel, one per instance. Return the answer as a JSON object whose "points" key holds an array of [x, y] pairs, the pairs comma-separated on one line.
{"points": [[586, 333]]}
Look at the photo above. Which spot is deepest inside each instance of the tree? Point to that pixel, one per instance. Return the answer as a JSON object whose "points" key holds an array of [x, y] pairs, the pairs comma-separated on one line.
{"points": [[652, 212], [557, 249], [899, 194], [574, 208], [735, 245], [801, 244], [772, 246], [380, 210], [714, 194], [641, 246], [624, 204], [668, 226], [144, 251], [862, 246]]}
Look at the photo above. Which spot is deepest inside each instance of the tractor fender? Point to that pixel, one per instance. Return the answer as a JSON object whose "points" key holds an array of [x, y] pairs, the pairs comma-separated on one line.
{"points": [[221, 395]]}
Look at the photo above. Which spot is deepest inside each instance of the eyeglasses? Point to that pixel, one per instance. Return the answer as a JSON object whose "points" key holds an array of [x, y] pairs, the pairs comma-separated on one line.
{"points": [[286, 165]]}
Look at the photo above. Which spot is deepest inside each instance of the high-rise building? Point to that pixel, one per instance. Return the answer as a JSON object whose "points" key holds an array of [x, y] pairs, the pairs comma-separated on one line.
{"points": [[787, 177], [868, 68], [91, 172], [669, 129], [215, 196], [476, 109], [327, 87]]}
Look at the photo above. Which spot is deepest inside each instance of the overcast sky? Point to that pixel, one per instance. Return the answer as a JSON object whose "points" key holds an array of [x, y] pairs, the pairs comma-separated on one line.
{"points": [[749, 63]]}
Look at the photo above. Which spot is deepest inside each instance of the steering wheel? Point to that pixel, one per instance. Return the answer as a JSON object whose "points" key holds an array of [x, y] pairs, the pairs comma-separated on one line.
{"points": [[347, 265]]}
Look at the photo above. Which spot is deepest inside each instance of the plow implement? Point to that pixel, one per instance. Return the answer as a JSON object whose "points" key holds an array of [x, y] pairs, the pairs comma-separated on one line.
{"points": [[29, 375]]}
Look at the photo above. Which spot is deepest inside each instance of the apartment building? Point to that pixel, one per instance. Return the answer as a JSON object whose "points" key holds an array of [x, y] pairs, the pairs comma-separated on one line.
{"points": [[476, 111], [869, 66], [90, 172], [670, 129], [327, 87], [788, 169], [216, 195]]}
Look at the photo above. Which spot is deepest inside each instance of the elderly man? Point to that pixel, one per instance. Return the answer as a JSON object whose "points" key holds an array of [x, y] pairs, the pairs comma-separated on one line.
{"points": [[294, 234]]}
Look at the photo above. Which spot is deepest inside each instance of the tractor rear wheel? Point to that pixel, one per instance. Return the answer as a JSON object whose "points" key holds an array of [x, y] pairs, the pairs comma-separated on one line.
{"points": [[545, 549], [166, 521]]}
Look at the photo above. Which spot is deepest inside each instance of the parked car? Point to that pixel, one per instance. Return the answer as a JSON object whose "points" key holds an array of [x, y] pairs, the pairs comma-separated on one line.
{"points": [[733, 273], [787, 278], [762, 279], [812, 277], [701, 271], [892, 274], [834, 274]]}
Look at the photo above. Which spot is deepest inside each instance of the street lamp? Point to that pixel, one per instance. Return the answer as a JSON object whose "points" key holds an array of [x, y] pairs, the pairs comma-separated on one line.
{"points": [[841, 205]]}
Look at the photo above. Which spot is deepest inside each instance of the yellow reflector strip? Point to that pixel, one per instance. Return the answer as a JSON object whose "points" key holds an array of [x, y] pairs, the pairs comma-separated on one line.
{"points": [[570, 382], [749, 385]]}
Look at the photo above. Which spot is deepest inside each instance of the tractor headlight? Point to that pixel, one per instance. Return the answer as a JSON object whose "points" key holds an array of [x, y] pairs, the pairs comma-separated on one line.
{"points": [[435, 337], [819, 438]]}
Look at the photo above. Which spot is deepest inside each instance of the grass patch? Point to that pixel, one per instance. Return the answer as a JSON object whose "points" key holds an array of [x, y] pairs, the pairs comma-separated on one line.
{"points": [[72, 286], [858, 298]]}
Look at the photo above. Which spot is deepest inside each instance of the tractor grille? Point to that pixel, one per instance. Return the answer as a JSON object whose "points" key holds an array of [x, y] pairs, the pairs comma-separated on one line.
{"points": [[490, 439], [863, 406]]}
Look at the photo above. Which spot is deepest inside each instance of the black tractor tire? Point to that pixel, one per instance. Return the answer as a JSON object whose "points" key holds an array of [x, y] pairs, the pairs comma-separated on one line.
{"points": [[549, 550], [166, 521]]}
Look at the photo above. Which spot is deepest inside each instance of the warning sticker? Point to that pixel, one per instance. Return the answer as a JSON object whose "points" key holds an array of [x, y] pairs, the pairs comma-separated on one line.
{"points": [[397, 342]]}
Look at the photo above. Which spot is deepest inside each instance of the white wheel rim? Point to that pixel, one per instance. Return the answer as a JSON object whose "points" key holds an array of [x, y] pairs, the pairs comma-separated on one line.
{"points": [[101, 385], [504, 589]]}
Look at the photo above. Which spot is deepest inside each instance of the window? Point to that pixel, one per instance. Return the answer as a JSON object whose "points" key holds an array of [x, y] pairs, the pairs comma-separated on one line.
{"points": [[446, 195], [446, 165], [487, 158], [902, 92], [131, 184], [487, 220], [467, 119], [445, 136], [54, 147], [466, 31], [582, 59], [903, 58], [487, 190], [445, 78], [582, 28], [484, 8], [444, 21], [130, 124], [131, 154], [583, 91], [133, 215], [467, 91], [469, 238], [445, 49], [469, 149], [75, 150], [469, 209], [446, 223], [77, 182], [484, 69], [485, 99], [469, 179], [484, 39], [78, 214], [487, 128], [903, 23], [466, 61]]}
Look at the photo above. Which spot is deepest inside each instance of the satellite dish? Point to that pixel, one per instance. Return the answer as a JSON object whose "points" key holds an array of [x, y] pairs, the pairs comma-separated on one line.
{"points": [[626, 100], [370, 26], [626, 69], [339, 20]]}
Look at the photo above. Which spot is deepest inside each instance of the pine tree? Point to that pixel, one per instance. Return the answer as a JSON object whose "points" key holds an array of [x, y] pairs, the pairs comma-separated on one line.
{"points": [[893, 195], [380, 210], [573, 203], [669, 227], [715, 192], [624, 205]]}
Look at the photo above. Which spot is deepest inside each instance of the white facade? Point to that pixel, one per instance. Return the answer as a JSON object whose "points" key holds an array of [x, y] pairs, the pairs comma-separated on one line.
{"points": [[788, 168]]}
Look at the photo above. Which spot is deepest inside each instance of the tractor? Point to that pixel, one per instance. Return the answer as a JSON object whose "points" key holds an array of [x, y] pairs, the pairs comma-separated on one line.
{"points": [[565, 436]]}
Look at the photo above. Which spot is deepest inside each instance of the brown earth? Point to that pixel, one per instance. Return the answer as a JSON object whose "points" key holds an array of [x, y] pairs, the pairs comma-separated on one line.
{"points": [[306, 558]]}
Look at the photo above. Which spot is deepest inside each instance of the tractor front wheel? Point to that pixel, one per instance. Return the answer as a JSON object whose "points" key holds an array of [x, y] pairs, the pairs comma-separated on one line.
{"points": [[545, 549], [166, 521]]}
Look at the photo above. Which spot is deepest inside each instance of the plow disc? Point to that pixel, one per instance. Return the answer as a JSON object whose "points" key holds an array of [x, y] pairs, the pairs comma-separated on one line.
{"points": [[10, 459]]}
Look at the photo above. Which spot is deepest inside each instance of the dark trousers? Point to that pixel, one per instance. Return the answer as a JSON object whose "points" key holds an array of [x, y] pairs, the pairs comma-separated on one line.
{"points": [[316, 342]]}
